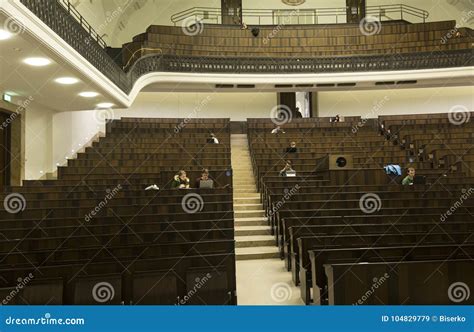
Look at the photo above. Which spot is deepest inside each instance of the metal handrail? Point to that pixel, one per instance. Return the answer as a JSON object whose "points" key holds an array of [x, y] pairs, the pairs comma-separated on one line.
{"points": [[251, 16], [82, 21]]}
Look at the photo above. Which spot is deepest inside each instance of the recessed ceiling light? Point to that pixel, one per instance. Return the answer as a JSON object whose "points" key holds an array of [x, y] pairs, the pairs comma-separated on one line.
{"points": [[37, 62], [66, 80], [4, 34], [105, 105], [88, 94]]}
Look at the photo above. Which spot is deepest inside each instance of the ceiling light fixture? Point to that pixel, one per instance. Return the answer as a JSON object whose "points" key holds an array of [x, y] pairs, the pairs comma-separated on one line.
{"points": [[37, 62], [66, 80], [105, 105], [5, 34], [88, 94]]}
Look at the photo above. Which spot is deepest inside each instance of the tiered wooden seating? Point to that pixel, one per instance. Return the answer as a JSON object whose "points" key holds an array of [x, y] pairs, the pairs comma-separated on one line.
{"points": [[297, 40], [322, 230], [441, 140], [144, 244]]}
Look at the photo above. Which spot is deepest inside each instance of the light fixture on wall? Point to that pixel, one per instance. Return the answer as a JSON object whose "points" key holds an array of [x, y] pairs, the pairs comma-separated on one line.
{"points": [[293, 2], [66, 80]]}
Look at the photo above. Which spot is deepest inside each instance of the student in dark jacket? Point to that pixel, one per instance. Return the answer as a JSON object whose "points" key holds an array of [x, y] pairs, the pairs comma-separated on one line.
{"points": [[292, 148], [180, 180]]}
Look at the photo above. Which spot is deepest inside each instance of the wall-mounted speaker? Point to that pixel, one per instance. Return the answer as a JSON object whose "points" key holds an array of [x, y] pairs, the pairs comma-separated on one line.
{"points": [[334, 162]]}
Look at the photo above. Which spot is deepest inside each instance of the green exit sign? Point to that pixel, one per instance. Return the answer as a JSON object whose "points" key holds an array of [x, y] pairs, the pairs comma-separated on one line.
{"points": [[7, 97]]}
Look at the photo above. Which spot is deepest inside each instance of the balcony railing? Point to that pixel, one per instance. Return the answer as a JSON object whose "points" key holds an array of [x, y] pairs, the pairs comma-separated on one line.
{"points": [[59, 19], [234, 65], [213, 15]]}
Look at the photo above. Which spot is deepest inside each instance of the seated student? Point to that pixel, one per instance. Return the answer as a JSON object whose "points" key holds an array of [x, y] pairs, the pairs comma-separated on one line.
{"points": [[204, 180], [180, 181], [408, 180], [212, 139], [292, 148], [277, 130], [288, 169]]}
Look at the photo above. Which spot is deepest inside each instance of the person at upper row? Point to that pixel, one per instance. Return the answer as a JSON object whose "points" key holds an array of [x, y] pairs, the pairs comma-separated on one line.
{"points": [[292, 148], [277, 130], [337, 118], [180, 180], [287, 169], [298, 114], [408, 180], [212, 139]]}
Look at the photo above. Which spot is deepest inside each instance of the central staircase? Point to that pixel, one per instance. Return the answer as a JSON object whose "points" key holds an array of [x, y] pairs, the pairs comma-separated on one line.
{"points": [[252, 233]]}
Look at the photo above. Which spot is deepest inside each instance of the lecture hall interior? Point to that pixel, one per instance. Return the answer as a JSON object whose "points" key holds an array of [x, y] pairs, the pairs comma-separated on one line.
{"points": [[236, 152]]}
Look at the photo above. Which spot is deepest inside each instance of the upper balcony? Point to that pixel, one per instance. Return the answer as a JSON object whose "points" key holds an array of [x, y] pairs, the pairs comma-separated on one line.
{"points": [[379, 43]]}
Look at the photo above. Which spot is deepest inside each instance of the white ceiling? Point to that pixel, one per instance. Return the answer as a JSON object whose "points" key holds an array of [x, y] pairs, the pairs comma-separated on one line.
{"points": [[38, 82]]}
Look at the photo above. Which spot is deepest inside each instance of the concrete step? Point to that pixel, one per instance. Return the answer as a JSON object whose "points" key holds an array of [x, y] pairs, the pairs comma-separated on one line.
{"points": [[245, 191], [254, 241], [245, 186], [252, 230], [256, 253], [260, 221], [245, 195], [247, 200], [247, 207], [249, 214], [249, 182]]}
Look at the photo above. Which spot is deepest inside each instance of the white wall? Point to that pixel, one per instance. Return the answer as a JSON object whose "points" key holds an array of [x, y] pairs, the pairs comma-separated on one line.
{"points": [[371, 104], [38, 141], [53, 137], [72, 131], [236, 106]]}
